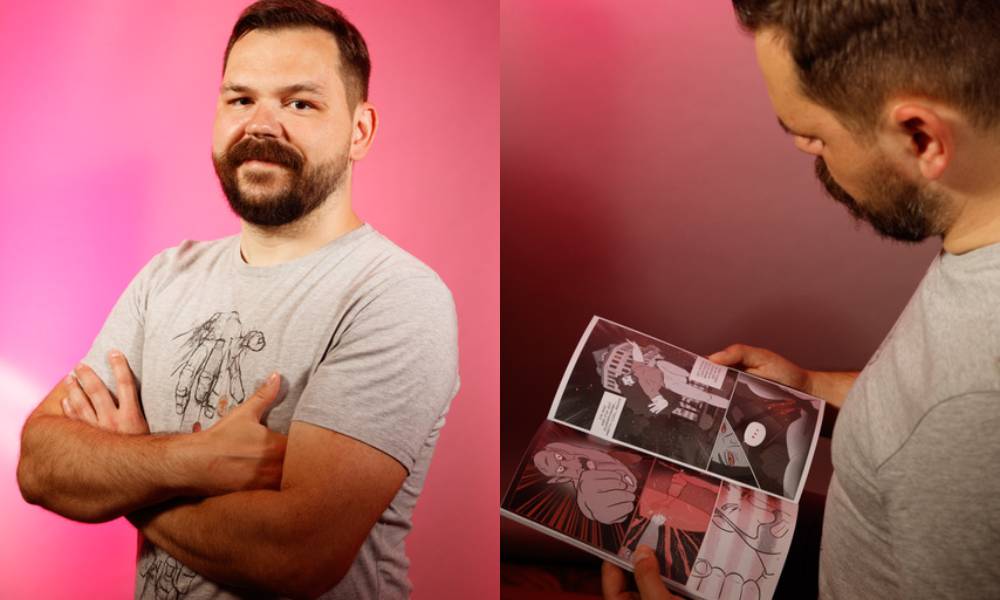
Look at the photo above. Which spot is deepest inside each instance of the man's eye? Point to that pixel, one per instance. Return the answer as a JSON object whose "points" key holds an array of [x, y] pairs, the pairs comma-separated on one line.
{"points": [[560, 469], [239, 101], [559, 457], [301, 104]]}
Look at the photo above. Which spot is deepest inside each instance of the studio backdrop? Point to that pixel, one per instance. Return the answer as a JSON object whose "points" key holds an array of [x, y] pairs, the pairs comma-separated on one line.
{"points": [[106, 115]]}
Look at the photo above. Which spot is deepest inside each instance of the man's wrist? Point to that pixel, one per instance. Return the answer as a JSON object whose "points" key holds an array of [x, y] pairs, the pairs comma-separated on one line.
{"points": [[186, 464]]}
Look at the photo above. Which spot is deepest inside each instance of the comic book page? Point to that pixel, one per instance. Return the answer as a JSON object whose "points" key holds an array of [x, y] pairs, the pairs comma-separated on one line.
{"points": [[712, 539], [647, 394]]}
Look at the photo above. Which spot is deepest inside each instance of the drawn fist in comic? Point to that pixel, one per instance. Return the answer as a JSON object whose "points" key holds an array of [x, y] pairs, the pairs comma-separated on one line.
{"points": [[606, 496]]}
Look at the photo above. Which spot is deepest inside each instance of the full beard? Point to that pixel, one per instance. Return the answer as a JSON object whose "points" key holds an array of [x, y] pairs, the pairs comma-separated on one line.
{"points": [[896, 208], [307, 189]]}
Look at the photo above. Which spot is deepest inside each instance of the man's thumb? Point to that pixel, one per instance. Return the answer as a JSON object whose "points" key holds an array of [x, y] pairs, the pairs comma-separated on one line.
{"points": [[264, 397]]}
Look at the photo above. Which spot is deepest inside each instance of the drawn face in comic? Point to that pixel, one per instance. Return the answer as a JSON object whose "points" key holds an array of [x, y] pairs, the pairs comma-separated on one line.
{"points": [[605, 487], [557, 466], [728, 450]]}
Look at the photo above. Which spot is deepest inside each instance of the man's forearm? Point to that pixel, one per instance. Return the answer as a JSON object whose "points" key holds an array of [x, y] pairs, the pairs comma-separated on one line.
{"points": [[252, 539], [91, 475], [831, 386]]}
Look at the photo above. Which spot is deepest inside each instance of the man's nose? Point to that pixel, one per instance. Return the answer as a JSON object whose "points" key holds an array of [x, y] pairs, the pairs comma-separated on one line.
{"points": [[263, 122]]}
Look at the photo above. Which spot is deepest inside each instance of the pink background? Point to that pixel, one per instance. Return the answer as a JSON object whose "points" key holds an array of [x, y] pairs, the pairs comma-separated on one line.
{"points": [[105, 112], [646, 180]]}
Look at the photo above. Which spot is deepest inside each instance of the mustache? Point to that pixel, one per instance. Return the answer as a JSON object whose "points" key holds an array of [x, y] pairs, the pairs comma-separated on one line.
{"points": [[264, 150]]}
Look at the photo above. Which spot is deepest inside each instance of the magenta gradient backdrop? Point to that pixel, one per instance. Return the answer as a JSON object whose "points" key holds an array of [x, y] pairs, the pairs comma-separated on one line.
{"points": [[645, 179], [106, 110]]}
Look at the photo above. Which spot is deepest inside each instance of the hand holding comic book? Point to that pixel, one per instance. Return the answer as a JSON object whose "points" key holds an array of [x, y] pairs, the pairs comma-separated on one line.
{"points": [[711, 485], [614, 584], [763, 363]]}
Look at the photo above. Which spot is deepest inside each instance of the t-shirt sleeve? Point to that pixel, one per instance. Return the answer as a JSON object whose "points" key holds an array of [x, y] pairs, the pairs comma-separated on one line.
{"points": [[124, 328], [943, 500], [392, 373]]}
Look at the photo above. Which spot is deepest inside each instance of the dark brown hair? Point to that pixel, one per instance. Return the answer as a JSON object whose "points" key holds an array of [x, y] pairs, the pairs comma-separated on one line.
{"points": [[853, 55], [355, 65]]}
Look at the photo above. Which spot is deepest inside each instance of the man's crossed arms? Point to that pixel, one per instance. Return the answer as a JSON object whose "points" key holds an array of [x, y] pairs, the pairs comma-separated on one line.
{"points": [[240, 504]]}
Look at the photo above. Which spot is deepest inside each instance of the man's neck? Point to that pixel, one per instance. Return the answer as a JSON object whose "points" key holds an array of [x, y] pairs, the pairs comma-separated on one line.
{"points": [[267, 246], [976, 225]]}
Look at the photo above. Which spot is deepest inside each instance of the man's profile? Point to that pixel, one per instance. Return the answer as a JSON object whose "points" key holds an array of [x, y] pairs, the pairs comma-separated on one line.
{"points": [[264, 407], [899, 105]]}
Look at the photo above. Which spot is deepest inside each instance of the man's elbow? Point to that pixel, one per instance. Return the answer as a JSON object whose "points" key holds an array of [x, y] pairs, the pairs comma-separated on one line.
{"points": [[34, 492], [28, 483], [314, 575]]}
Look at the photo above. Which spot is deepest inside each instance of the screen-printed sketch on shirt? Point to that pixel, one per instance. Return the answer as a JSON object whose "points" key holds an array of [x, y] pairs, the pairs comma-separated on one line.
{"points": [[209, 376]]}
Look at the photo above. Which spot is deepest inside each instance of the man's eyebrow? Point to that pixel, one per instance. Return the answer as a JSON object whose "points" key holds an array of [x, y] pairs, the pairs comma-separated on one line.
{"points": [[787, 130], [306, 86]]}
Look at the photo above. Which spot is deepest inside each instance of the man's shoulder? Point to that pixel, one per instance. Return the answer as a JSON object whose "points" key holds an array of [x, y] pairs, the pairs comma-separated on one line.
{"points": [[391, 269]]}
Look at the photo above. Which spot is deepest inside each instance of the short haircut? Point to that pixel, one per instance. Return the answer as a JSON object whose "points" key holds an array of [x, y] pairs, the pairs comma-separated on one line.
{"points": [[853, 55], [355, 65]]}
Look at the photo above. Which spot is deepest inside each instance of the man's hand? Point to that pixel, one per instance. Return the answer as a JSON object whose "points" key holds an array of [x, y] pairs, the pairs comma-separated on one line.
{"points": [[647, 578], [90, 401], [605, 496], [832, 386], [764, 363], [245, 454], [248, 454]]}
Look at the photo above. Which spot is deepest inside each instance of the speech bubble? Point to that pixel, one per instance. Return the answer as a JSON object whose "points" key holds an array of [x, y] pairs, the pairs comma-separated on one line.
{"points": [[753, 435]]}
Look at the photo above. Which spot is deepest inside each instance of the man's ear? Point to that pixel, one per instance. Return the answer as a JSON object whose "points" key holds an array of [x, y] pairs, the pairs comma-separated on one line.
{"points": [[928, 136], [363, 133]]}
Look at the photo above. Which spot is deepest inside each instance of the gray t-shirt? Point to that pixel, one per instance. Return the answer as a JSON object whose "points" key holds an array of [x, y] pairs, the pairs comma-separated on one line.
{"points": [[913, 509], [363, 334]]}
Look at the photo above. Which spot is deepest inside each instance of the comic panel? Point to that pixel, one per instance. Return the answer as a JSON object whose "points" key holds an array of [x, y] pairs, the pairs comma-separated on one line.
{"points": [[767, 437], [578, 485], [630, 387], [674, 512], [745, 546]]}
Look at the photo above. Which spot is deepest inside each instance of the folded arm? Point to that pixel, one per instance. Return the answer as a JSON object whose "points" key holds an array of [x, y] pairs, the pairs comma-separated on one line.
{"points": [[298, 541], [98, 467]]}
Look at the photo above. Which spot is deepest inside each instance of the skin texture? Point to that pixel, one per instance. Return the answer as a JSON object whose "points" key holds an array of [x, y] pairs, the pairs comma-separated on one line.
{"points": [[320, 126], [246, 507], [97, 473]]}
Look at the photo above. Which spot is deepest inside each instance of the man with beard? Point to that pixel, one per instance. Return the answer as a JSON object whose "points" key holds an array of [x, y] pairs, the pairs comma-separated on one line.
{"points": [[900, 104], [305, 487]]}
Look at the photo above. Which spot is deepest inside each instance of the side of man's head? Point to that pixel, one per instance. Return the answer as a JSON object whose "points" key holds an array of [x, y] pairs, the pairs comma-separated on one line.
{"points": [[894, 98], [292, 113]]}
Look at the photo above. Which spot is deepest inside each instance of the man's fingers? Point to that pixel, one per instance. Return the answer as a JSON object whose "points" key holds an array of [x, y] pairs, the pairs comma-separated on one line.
{"points": [[740, 355], [128, 399], [732, 355], [613, 582], [647, 575], [79, 406], [101, 399], [264, 397]]}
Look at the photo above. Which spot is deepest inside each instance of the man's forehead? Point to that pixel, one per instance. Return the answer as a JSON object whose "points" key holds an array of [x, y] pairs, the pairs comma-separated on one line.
{"points": [[239, 87], [293, 54], [792, 107]]}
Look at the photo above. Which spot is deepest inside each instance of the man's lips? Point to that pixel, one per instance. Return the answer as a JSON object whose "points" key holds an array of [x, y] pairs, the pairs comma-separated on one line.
{"points": [[260, 163]]}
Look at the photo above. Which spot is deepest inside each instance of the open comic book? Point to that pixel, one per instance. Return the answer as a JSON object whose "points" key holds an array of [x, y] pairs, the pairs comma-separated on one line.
{"points": [[647, 443]]}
